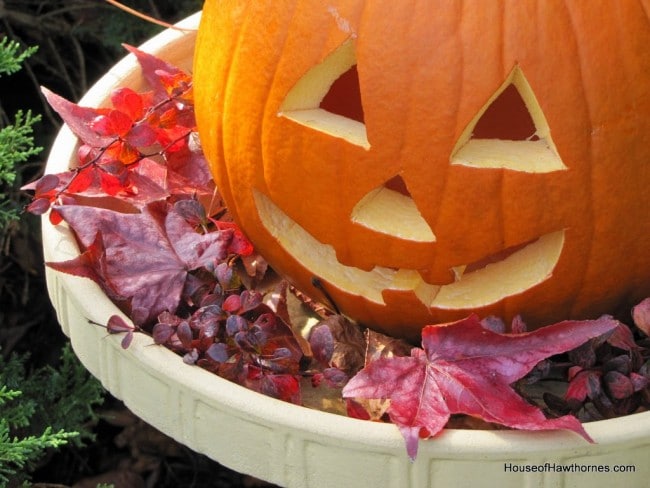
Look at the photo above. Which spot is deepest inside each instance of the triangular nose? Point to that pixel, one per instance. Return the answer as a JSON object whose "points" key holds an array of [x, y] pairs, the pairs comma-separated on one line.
{"points": [[390, 209], [397, 183]]}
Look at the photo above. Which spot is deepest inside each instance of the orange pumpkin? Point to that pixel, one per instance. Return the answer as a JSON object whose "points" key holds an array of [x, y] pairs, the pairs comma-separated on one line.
{"points": [[428, 159]]}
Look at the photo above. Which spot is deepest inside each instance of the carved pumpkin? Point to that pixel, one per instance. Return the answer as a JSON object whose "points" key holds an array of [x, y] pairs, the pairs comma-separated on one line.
{"points": [[426, 160]]}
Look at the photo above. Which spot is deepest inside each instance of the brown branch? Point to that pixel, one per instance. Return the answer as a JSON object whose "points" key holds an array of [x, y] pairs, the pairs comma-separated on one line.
{"points": [[143, 16]]}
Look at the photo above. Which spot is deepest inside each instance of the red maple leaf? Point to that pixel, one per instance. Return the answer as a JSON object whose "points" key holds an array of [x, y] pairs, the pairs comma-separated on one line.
{"points": [[467, 369], [145, 257]]}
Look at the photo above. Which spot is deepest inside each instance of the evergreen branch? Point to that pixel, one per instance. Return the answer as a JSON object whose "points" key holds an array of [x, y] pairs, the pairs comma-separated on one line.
{"points": [[29, 425], [18, 455], [17, 144], [10, 59]]}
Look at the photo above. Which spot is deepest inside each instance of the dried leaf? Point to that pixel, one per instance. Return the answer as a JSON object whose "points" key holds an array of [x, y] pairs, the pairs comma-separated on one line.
{"points": [[641, 316], [383, 346], [622, 338], [338, 343]]}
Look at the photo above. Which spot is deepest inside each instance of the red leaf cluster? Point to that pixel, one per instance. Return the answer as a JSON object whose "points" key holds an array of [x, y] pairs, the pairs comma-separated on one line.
{"points": [[137, 152]]}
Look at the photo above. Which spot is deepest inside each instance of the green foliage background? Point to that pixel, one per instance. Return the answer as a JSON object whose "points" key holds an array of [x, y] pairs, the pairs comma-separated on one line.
{"points": [[16, 139], [43, 409]]}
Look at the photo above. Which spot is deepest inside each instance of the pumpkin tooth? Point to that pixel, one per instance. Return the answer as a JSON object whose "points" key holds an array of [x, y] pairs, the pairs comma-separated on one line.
{"points": [[458, 272], [495, 257], [320, 259], [409, 279]]}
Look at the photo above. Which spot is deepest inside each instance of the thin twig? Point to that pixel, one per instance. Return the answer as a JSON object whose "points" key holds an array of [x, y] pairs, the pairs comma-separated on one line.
{"points": [[146, 17]]}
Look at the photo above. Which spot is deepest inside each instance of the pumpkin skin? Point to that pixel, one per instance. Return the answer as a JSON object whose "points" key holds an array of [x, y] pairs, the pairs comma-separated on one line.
{"points": [[568, 236]]}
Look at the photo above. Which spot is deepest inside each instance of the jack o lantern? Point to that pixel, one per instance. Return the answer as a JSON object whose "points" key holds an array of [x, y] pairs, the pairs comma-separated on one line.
{"points": [[428, 159]]}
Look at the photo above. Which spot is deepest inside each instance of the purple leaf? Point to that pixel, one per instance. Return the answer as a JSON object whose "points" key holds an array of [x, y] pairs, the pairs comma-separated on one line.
{"points": [[235, 324], [321, 342], [217, 352], [335, 378], [47, 183], [639, 381], [141, 135], [126, 340], [584, 384], [618, 385], [191, 357], [39, 206], [146, 256], [185, 334], [191, 210], [151, 65], [232, 303], [622, 338], [250, 300], [117, 325], [162, 333], [281, 386]]}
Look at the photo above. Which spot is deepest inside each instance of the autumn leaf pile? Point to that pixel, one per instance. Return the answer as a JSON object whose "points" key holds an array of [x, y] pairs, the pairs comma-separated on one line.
{"points": [[156, 237]]}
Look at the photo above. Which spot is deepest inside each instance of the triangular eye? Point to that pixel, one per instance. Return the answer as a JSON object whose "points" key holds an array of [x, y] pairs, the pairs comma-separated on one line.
{"points": [[328, 98], [344, 96], [506, 118], [510, 132]]}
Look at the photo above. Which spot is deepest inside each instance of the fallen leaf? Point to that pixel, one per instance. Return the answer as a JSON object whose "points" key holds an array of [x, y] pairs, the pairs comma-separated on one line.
{"points": [[336, 342], [465, 368], [641, 316]]}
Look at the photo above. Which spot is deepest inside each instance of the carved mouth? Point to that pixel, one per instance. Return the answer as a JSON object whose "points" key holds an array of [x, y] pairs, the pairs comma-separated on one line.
{"points": [[526, 266]]}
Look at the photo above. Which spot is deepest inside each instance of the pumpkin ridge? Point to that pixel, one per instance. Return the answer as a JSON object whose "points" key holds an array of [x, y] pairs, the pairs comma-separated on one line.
{"points": [[581, 289]]}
